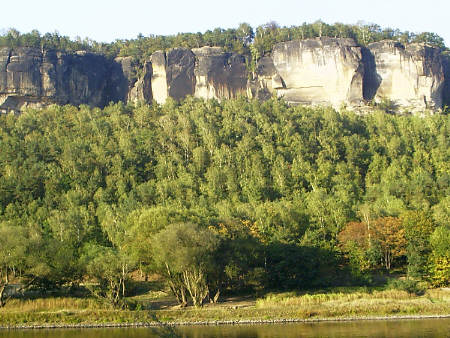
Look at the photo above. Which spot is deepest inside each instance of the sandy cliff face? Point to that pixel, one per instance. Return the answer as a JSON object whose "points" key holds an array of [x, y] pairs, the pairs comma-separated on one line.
{"points": [[324, 71], [128, 84], [410, 76], [205, 73]]}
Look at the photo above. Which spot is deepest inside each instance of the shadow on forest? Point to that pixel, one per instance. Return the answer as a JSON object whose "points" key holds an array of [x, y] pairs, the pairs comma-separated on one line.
{"points": [[290, 266]]}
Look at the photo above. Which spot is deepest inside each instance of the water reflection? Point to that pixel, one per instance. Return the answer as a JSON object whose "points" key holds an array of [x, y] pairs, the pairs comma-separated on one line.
{"points": [[405, 328]]}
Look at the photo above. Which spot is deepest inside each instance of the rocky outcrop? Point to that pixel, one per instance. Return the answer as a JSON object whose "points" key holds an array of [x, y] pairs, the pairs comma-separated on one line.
{"points": [[446, 90], [218, 74], [324, 71], [321, 71], [206, 73], [131, 84], [266, 79], [173, 74], [409, 76], [30, 77]]}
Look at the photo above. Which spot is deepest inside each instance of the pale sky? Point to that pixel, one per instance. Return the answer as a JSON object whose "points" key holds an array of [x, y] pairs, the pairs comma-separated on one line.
{"points": [[107, 20]]}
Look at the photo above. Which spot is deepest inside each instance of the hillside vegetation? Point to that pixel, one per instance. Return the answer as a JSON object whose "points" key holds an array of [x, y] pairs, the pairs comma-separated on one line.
{"points": [[221, 197]]}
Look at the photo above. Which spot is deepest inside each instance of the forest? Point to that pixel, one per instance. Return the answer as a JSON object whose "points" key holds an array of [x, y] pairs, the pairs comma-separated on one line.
{"points": [[246, 40], [221, 197]]}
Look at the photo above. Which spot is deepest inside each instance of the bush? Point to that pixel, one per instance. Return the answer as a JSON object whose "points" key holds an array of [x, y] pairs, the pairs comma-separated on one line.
{"points": [[409, 285]]}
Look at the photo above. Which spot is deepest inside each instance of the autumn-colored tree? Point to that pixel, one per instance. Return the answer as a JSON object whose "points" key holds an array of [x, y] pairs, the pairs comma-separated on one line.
{"points": [[439, 262], [355, 242], [389, 234], [382, 238]]}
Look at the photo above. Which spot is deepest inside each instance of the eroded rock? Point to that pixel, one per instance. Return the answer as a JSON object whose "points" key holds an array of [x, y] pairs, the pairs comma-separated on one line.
{"points": [[409, 76], [30, 77], [130, 82], [325, 71], [173, 74], [322, 71], [218, 74]]}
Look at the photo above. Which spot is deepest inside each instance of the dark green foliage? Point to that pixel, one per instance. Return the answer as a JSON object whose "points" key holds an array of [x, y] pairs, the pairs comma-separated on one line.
{"points": [[290, 266], [409, 285]]}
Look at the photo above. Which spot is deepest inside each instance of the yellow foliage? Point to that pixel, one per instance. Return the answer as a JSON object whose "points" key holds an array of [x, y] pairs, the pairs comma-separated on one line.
{"points": [[440, 270]]}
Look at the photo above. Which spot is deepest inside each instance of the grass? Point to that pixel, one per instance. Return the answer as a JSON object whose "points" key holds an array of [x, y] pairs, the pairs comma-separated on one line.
{"points": [[358, 303], [331, 303], [52, 304]]}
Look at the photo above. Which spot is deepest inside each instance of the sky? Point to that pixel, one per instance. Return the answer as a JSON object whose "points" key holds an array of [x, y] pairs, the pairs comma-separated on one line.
{"points": [[108, 20]]}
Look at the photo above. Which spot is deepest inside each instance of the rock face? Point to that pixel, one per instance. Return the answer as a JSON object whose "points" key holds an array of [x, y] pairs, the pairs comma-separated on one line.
{"points": [[446, 93], [410, 76], [266, 79], [30, 77], [324, 71], [128, 85], [206, 72], [219, 75], [173, 74]]}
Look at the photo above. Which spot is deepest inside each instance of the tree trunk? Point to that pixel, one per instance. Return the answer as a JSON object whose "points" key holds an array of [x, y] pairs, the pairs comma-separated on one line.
{"points": [[216, 296], [183, 297], [177, 287], [2, 290], [124, 268], [196, 285]]}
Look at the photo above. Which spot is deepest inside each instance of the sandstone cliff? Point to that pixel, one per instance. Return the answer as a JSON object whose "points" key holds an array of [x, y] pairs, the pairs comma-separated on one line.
{"points": [[173, 74], [30, 77], [446, 90], [219, 75], [128, 84], [206, 73], [325, 71], [410, 76]]}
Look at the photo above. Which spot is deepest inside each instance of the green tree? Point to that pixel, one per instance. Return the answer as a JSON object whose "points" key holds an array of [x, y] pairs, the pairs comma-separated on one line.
{"points": [[418, 228], [184, 253], [110, 268], [440, 256], [13, 252]]}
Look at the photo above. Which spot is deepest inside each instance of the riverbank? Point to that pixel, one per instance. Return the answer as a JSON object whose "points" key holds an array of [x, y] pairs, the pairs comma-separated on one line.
{"points": [[273, 308]]}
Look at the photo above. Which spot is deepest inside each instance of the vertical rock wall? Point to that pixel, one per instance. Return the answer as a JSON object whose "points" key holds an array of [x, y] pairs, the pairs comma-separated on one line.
{"points": [[219, 75], [31, 77], [172, 74], [410, 76], [129, 83], [318, 71], [322, 71]]}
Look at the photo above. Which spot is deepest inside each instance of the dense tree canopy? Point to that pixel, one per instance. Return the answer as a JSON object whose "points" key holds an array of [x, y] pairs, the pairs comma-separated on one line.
{"points": [[245, 40], [276, 185]]}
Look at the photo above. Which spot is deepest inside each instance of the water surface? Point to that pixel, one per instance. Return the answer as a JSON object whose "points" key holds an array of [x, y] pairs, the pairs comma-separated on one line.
{"points": [[390, 328]]}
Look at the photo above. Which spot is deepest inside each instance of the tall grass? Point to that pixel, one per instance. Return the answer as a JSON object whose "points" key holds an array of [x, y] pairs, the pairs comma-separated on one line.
{"points": [[358, 303], [334, 303], [53, 304]]}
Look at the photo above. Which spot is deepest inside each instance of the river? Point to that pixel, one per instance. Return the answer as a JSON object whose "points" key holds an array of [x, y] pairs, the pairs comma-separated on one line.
{"points": [[382, 328]]}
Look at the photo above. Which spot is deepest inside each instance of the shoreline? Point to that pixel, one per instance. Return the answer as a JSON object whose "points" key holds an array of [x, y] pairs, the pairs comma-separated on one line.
{"points": [[218, 322]]}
